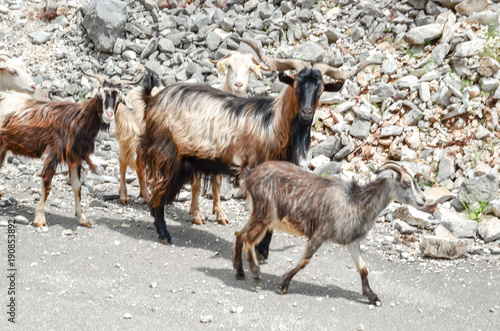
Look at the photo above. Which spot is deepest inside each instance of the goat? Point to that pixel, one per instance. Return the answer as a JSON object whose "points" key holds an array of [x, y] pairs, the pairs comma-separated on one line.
{"points": [[129, 125], [62, 132], [239, 67], [13, 75], [192, 128], [297, 201]]}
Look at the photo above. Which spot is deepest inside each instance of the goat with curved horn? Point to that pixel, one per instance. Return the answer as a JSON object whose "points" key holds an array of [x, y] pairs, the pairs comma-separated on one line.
{"points": [[275, 64], [338, 74]]}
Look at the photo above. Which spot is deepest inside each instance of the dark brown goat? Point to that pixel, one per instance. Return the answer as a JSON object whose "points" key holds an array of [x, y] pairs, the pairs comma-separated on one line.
{"points": [[62, 132], [293, 200], [192, 129]]}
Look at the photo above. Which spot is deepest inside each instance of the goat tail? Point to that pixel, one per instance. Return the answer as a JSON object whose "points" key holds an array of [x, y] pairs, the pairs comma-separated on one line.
{"points": [[149, 82]]}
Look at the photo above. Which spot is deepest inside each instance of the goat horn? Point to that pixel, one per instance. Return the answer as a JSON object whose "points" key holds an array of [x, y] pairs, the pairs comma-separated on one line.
{"points": [[254, 60], [6, 55], [123, 82], [275, 64], [225, 57], [392, 166], [100, 78], [341, 74]]}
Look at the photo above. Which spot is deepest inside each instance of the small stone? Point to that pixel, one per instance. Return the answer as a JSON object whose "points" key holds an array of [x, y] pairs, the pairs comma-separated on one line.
{"points": [[206, 319], [153, 285], [67, 232], [20, 219], [127, 316]]}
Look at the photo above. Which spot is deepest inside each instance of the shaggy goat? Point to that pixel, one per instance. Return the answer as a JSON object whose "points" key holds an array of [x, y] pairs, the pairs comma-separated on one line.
{"points": [[13, 76], [193, 129], [296, 201], [62, 132], [239, 67]]}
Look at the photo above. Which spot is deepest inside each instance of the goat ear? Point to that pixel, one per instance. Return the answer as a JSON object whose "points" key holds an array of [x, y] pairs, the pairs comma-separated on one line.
{"points": [[125, 101], [286, 79], [333, 87]]}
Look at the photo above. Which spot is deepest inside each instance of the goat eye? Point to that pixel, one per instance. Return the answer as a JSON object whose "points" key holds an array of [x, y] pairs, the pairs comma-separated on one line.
{"points": [[407, 183]]}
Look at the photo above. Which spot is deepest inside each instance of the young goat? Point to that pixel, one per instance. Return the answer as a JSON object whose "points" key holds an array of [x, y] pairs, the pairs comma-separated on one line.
{"points": [[62, 132], [13, 76], [296, 201], [193, 129]]}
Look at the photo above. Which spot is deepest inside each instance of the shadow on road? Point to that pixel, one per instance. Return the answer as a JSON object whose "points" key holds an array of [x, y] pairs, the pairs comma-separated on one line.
{"points": [[270, 283]]}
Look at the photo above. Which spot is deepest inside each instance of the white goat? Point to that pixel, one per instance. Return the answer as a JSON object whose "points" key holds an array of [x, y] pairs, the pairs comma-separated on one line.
{"points": [[13, 75]]}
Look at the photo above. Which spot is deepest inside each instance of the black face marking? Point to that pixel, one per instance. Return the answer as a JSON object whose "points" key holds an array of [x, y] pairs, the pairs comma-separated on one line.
{"points": [[309, 84]]}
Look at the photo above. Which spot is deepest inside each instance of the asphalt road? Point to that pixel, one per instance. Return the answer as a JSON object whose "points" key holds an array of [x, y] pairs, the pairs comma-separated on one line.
{"points": [[116, 276]]}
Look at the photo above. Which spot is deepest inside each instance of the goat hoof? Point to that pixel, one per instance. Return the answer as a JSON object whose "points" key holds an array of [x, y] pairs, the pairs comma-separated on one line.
{"points": [[39, 224], [240, 276], [86, 224], [261, 256], [198, 218], [257, 281], [282, 289], [166, 240], [124, 200], [221, 218]]}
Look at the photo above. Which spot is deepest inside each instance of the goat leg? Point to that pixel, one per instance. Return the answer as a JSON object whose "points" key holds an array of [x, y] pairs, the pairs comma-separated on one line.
{"points": [[262, 249], [48, 172], [160, 225], [198, 218], [237, 255], [312, 246], [219, 213], [77, 189], [124, 199], [355, 251], [143, 181]]}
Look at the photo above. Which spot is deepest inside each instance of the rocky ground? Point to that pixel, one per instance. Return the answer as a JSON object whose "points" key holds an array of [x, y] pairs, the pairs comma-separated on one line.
{"points": [[432, 105]]}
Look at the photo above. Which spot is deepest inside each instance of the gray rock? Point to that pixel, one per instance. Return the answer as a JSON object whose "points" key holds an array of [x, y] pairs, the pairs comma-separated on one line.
{"points": [[455, 222], [419, 35], [154, 67], [391, 130], [345, 106], [213, 41], [104, 22], [310, 51], [469, 48], [358, 34], [482, 188], [444, 248], [488, 67], [384, 90], [439, 52], [413, 216], [329, 169], [424, 92], [482, 133], [403, 227], [227, 24], [488, 84], [166, 46], [409, 81], [389, 66], [345, 151], [98, 203], [20, 219], [177, 38], [328, 148], [193, 68], [40, 37], [332, 34], [150, 48], [446, 168], [360, 128], [489, 228], [110, 196]]}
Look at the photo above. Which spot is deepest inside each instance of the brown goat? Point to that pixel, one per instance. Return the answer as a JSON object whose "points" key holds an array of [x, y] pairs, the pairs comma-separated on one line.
{"points": [[62, 132], [293, 200]]}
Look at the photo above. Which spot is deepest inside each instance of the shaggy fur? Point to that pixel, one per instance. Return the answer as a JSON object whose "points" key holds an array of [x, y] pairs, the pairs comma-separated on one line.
{"points": [[198, 129], [296, 201], [62, 132]]}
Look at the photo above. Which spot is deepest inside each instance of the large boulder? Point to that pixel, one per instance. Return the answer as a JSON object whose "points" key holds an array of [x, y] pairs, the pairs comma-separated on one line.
{"points": [[104, 22]]}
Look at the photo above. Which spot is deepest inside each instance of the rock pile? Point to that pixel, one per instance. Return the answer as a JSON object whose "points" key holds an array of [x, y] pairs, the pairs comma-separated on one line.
{"points": [[433, 103]]}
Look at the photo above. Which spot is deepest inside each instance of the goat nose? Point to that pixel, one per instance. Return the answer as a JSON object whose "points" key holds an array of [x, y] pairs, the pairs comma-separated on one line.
{"points": [[238, 85], [33, 87], [109, 114]]}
